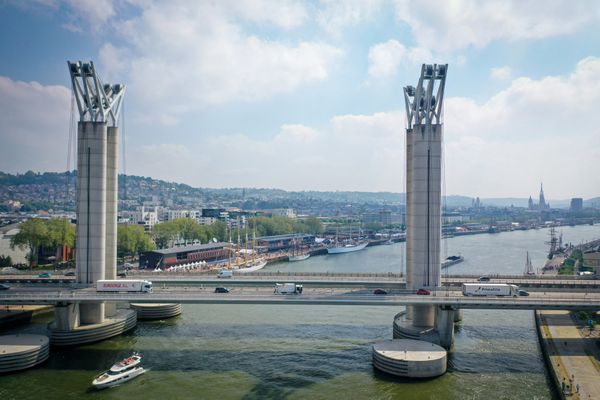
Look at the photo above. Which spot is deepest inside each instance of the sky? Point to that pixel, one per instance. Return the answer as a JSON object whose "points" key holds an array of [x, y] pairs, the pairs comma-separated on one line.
{"points": [[307, 95]]}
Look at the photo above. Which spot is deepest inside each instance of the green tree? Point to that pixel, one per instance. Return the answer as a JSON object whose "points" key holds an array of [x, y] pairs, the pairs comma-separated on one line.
{"points": [[313, 226], [5, 261], [132, 239], [32, 235], [61, 233], [164, 234]]}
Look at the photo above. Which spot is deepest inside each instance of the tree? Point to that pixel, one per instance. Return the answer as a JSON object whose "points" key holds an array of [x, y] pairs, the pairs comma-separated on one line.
{"points": [[132, 239], [33, 234], [61, 233], [5, 261]]}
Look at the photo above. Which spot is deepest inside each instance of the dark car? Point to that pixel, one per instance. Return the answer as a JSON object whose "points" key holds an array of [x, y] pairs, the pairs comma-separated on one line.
{"points": [[122, 275], [484, 279], [70, 273], [44, 275], [4, 286], [423, 291], [221, 290], [380, 291], [523, 293]]}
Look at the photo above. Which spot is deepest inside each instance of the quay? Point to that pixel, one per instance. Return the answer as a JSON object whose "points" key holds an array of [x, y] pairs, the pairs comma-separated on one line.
{"points": [[572, 358]]}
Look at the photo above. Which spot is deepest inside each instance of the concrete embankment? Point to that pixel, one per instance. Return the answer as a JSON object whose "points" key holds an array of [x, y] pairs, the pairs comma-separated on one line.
{"points": [[15, 315], [572, 359]]}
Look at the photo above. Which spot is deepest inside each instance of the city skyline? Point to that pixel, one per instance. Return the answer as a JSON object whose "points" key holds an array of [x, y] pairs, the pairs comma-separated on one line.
{"points": [[308, 95]]}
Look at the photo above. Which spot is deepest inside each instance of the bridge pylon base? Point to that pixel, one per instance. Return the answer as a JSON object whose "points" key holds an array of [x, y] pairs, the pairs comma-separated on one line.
{"points": [[123, 321]]}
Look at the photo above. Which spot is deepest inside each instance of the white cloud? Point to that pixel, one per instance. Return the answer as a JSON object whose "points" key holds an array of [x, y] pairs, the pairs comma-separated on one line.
{"points": [[453, 25], [386, 58], [190, 55], [355, 152], [286, 14], [35, 126], [335, 15], [501, 73], [535, 130], [295, 133]]}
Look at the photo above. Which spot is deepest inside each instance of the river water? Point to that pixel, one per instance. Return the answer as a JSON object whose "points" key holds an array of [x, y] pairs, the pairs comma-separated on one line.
{"points": [[308, 352]]}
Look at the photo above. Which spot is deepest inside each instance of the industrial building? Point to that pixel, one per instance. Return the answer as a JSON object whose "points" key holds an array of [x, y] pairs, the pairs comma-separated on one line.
{"points": [[165, 258]]}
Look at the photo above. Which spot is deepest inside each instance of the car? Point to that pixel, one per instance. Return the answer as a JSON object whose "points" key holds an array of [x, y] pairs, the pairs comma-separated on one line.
{"points": [[484, 279], [4, 286], [423, 291], [523, 293], [44, 275], [221, 290], [380, 291], [71, 273], [122, 274]]}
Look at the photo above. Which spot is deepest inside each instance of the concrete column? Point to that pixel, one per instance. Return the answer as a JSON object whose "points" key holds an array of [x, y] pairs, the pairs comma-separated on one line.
{"points": [[91, 211], [91, 201], [423, 206], [409, 219], [91, 313], [445, 326], [66, 317], [112, 187], [425, 228]]}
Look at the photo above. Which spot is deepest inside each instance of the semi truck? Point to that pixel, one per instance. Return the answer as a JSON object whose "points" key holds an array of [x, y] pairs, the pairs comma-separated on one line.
{"points": [[489, 289], [287, 288], [124, 285]]}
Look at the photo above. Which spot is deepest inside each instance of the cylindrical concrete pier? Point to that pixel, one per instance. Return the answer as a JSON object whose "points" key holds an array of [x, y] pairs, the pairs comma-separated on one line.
{"points": [[22, 351], [147, 311], [123, 321], [409, 358]]}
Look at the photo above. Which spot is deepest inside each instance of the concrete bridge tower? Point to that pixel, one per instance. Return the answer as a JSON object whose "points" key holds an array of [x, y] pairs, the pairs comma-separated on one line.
{"points": [[420, 332], [97, 166]]}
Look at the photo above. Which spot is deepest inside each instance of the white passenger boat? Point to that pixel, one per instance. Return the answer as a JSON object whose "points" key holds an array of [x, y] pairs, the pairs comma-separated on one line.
{"points": [[120, 372]]}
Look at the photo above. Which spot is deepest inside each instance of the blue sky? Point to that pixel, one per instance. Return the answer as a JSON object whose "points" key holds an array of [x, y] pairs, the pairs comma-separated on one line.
{"points": [[307, 95]]}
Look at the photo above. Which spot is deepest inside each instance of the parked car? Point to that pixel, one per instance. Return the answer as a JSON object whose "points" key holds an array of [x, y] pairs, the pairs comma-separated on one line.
{"points": [[122, 274], [523, 293], [71, 273], [44, 275], [221, 290], [380, 291], [423, 291], [4, 286], [484, 279]]}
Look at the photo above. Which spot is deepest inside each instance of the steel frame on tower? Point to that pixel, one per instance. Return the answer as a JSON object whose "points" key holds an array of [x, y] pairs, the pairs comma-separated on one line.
{"points": [[96, 102], [422, 106]]}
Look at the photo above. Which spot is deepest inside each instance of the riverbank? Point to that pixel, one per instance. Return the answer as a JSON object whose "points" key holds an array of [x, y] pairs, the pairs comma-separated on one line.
{"points": [[15, 315], [572, 359]]}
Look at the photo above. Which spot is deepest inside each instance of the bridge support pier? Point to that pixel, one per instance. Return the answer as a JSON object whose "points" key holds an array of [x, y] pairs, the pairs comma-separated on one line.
{"points": [[445, 326], [66, 316]]}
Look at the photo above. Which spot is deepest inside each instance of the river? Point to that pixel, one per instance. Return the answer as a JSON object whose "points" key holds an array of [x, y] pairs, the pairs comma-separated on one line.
{"points": [[308, 352]]}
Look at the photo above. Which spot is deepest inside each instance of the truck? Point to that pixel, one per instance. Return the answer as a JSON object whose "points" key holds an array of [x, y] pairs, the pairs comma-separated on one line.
{"points": [[490, 289], [224, 273], [124, 285], [287, 288]]}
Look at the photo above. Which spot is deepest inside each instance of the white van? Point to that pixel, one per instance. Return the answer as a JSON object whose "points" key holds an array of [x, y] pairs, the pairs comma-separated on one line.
{"points": [[225, 273]]}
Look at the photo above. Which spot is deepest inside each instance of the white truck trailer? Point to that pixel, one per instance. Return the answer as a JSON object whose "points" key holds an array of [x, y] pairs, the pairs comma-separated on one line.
{"points": [[287, 288], [489, 289], [124, 285]]}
